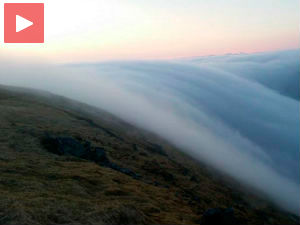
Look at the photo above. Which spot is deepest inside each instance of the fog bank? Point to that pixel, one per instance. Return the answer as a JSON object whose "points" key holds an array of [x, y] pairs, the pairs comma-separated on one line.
{"points": [[238, 113]]}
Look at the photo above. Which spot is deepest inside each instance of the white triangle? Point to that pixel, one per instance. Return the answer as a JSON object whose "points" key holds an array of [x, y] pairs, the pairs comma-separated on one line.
{"points": [[22, 23]]}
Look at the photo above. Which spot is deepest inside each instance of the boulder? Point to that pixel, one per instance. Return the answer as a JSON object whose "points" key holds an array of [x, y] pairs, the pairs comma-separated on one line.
{"points": [[98, 155], [64, 146], [83, 150]]}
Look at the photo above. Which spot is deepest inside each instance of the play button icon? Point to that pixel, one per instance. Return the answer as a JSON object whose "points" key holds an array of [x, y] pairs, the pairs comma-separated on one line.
{"points": [[22, 23]]}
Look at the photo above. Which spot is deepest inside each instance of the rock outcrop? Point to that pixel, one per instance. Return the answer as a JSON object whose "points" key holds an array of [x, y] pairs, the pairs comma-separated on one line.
{"points": [[83, 150]]}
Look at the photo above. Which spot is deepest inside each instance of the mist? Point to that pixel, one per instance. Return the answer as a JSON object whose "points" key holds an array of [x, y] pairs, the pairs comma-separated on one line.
{"points": [[277, 70], [237, 113]]}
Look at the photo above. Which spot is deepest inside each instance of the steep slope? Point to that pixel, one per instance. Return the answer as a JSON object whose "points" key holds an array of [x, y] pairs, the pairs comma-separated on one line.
{"points": [[64, 162]]}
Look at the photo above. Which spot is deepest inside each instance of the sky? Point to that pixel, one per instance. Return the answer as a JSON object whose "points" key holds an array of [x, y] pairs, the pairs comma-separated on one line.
{"points": [[95, 30]]}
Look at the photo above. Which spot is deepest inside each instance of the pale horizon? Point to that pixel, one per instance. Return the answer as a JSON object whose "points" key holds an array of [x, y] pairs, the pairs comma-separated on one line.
{"points": [[128, 30]]}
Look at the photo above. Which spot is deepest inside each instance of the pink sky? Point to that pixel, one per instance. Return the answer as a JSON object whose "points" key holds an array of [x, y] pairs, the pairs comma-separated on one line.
{"points": [[130, 29]]}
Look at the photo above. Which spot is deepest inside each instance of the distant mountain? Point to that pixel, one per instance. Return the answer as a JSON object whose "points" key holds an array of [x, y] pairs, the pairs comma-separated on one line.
{"points": [[64, 162]]}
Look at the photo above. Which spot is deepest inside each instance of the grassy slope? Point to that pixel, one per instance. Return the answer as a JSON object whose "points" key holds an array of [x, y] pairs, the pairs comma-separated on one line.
{"points": [[37, 187]]}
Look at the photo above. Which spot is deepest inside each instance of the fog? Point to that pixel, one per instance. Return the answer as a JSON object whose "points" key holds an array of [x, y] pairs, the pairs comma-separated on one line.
{"points": [[277, 71], [238, 113]]}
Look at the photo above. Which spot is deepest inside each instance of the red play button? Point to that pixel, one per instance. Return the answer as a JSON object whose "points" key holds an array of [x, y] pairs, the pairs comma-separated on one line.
{"points": [[24, 23]]}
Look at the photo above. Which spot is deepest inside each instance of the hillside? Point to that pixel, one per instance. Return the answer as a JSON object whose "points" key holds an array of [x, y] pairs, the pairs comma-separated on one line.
{"points": [[64, 162]]}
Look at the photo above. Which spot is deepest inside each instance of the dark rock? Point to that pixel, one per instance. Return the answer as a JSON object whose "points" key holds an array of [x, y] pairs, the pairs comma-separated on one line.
{"points": [[185, 171], [167, 176], [194, 179], [99, 156], [135, 148], [87, 145], [64, 146], [83, 150], [156, 183], [219, 216]]}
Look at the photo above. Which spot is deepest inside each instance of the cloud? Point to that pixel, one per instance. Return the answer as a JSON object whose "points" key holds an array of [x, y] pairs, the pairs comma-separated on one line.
{"points": [[278, 70], [213, 112]]}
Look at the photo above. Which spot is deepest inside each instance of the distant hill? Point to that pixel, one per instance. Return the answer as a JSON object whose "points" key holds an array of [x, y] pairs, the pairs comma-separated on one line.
{"points": [[64, 162]]}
